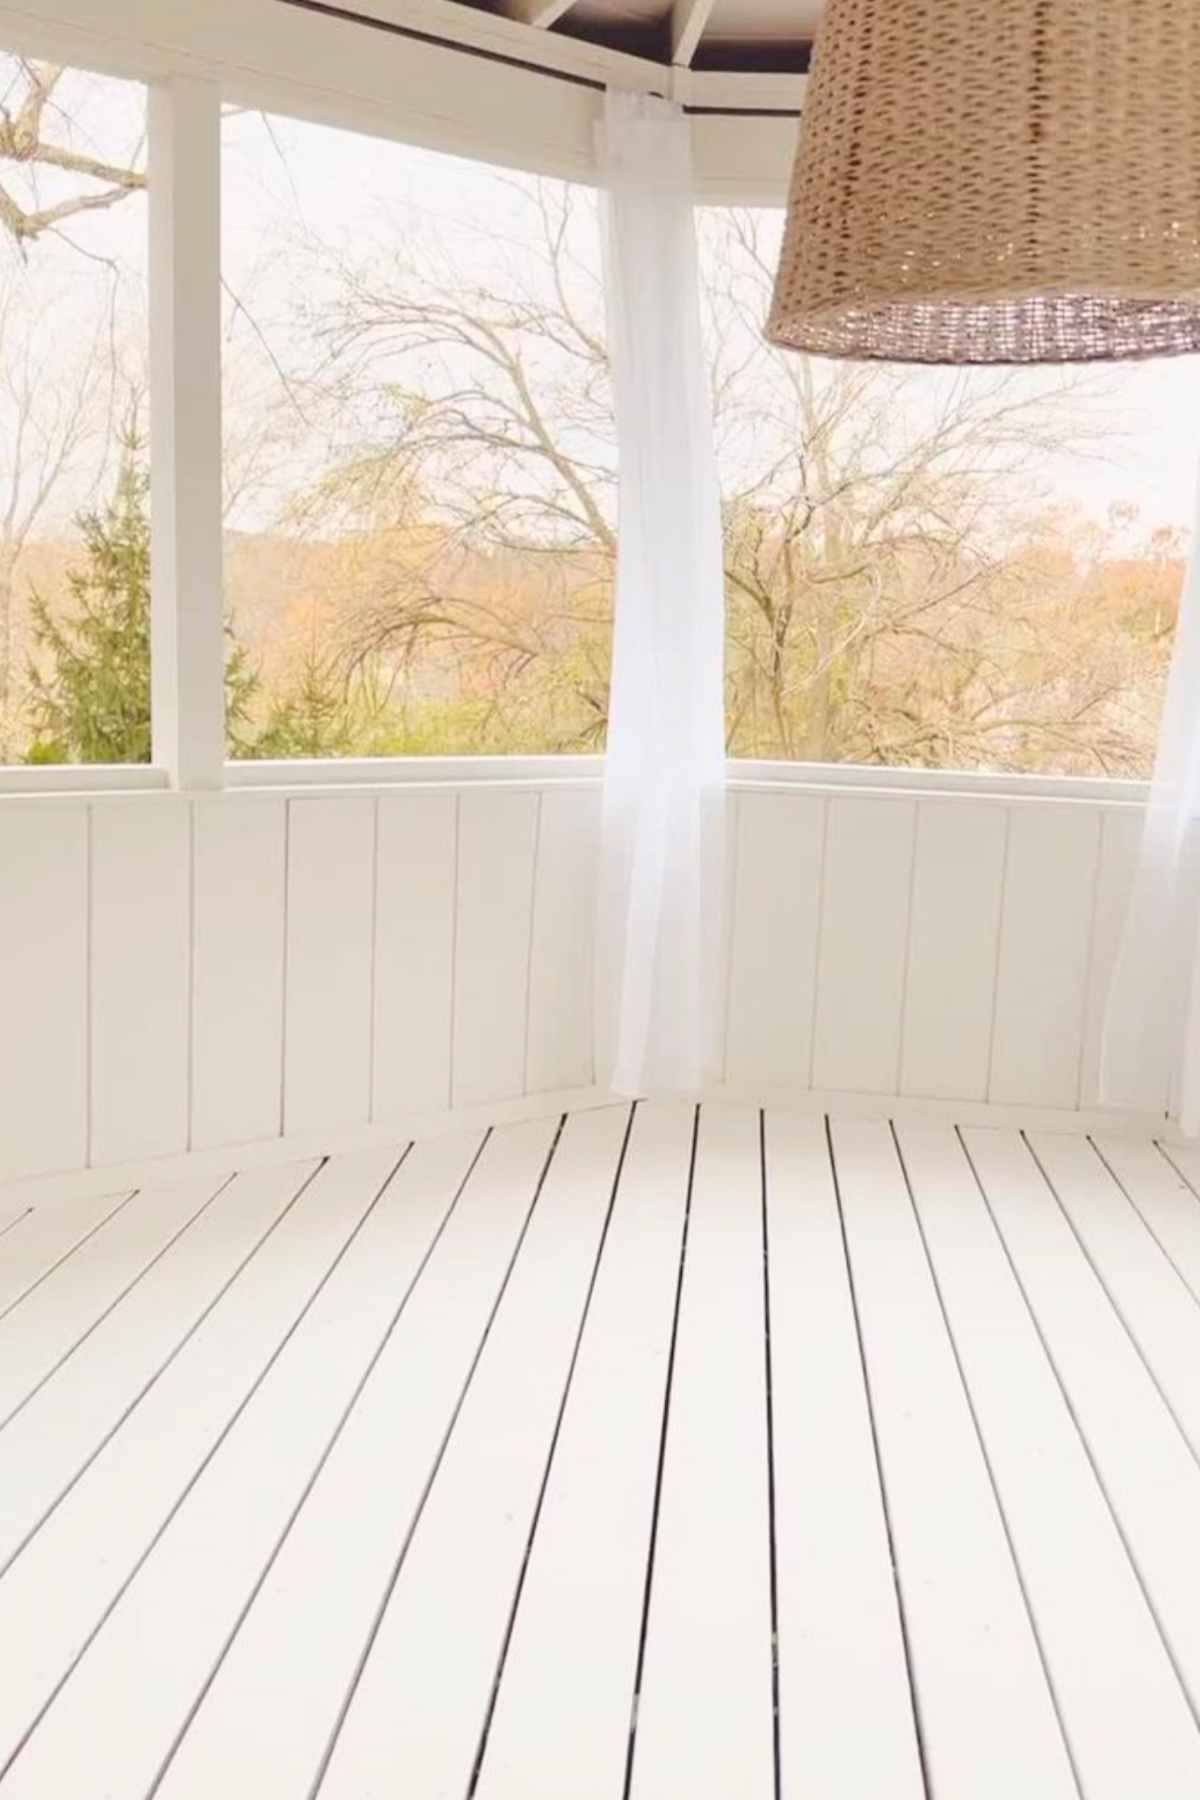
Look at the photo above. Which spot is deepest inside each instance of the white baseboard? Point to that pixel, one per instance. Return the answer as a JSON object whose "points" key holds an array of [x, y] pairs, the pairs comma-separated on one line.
{"points": [[1096, 1122], [41, 1190], [111, 1178]]}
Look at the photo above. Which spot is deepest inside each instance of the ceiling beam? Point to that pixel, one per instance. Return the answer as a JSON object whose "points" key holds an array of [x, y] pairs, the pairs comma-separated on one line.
{"points": [[539, 13], [744, 91], [688, 19]]}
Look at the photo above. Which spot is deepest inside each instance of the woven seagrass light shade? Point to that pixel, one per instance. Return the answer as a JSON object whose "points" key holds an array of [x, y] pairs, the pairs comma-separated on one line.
{"points": [[995, 181]]}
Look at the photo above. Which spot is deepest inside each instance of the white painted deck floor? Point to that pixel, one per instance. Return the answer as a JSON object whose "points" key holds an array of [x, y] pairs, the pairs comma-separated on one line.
{"points": [[652, 1454]]}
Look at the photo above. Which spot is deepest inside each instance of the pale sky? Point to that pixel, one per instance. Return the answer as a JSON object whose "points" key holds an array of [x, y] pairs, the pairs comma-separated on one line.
{"points": [[283, 177], [343, 186]]}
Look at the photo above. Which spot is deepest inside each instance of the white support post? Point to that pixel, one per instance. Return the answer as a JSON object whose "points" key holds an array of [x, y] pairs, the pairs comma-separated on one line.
{"points": [[187, 611]]}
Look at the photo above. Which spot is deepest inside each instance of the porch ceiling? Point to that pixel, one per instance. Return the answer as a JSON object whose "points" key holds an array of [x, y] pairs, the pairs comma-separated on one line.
{"points": [[730, 35], [734, 37]]}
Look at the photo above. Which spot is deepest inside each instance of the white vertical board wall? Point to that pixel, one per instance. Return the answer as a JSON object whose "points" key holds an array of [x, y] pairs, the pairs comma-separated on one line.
{"points": [[861, 960], [43, 986], [330, 952], [240, 850], [140, 977], [960, 946], [775, 923], [438, 952], [497, 853], [188, 972], [559, 1036], [958, 881], [1120, 839], [416, 877], [1045, 954]]}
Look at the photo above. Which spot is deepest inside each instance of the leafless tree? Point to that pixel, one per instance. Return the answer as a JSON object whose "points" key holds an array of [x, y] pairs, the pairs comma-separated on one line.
{"points": [[886, 601], [36, 135]]}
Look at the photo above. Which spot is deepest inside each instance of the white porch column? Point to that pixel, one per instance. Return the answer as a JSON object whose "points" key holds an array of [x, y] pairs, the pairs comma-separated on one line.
{"points": [[186, 611], [657, 982]]}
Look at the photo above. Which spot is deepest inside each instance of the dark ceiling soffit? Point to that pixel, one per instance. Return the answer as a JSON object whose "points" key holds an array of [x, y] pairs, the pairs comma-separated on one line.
{"points": [[328, 9]]}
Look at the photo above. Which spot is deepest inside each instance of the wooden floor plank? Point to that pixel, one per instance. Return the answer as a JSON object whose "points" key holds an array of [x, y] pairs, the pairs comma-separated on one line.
{"points": [[1142, 1282], [50, 1322], [1168, 1205], [351, 1488], [988, 1721], [416, 1716], [274, 1706], [46, 1238], [203, 1571], [56, 1593], [1185, 1159], [845, 1710], [705, 1709], [1142, 1460], [1097, 1634], [50, 1441], [12, 1211], [578, 1625]]}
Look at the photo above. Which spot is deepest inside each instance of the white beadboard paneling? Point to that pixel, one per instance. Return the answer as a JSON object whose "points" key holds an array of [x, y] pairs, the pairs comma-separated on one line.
{"points": [[414, 952], [330, 915], [239, 845], [559, 1053], [497, 849], [43, 986], [779, 850], [1045, 950], [1120, 838], [479, 913], [958, 882], [864, 938], [140, 977]]}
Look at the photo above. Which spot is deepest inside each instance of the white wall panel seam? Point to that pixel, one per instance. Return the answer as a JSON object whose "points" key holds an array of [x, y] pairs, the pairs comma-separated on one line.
{"points": [[818, 940], [730, 923], [999, 952], [533, 913], [287, 955], [374, 959], [190, 1062], [897, 1084], [89, 984], [452, 1074], [1098, 868]]}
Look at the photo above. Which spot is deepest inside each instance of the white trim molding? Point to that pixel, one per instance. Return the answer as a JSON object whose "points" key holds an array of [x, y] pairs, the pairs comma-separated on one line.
{"points": [[435, 73], [416, 771], [745, 775], [187, 639], [44, 779]]}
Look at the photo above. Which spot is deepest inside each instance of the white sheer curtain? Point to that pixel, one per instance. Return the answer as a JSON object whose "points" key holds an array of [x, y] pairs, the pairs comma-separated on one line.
{"points": [[1151, 1050], [661, 874]]}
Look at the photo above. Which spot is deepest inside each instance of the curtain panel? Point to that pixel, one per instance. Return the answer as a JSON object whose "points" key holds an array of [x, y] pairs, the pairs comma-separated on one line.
{"points": [[658, 987], [1151, 1049]]}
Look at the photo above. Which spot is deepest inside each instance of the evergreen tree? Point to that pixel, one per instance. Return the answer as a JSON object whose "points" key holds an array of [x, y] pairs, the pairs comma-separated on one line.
{"points": [[312, 716], [90, 678]]}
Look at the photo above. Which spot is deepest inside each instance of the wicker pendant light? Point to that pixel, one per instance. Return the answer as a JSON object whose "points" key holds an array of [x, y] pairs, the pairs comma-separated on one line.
{"points": [[985, 181]]}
